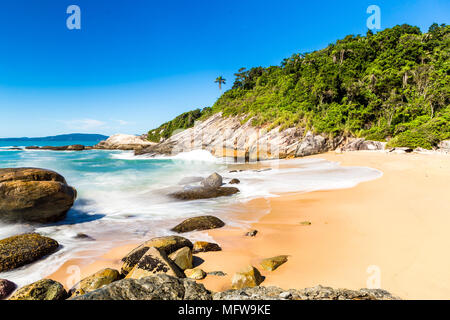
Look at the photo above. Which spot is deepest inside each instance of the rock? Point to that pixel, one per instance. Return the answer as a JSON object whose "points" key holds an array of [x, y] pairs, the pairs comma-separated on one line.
{"points": [[154, 261], [213, 181], [251, 233], [305, 223], [6, 288], [401, 150], [123, 142], [195, 274], [158, 287], [34, 195], [360, 144], [316, 293], [83, 236], [235, 181], [20, 250], [182, 258], [95, 281], [270, 264], [198, 224], [203, 246], [76, 147], [167, 244], [444, 145], [188, 180], [217, 273], [247, 277], [311, 145], [44, 289], [204, 193]]}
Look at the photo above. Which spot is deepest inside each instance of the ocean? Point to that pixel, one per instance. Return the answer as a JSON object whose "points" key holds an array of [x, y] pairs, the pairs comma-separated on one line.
{"points": [[122, 197]]}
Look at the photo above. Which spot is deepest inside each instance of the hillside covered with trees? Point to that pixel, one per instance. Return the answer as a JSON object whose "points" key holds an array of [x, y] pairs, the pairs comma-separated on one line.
{"points": [[393, 85]]}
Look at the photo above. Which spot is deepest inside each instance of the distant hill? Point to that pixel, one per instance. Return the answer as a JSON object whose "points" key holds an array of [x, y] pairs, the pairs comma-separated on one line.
{"points": [[62, 137]]}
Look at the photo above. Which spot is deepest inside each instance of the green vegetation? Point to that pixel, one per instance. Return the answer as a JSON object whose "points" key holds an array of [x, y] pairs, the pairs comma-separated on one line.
{"points": [[393, 85], [220, 80]]}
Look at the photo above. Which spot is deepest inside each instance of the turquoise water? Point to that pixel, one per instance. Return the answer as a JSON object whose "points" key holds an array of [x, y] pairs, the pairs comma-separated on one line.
{"points": [[123, 198]]}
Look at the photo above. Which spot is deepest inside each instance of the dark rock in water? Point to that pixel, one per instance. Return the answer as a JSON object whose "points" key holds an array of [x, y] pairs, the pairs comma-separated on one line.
{"points": [[83, 236], [168, 244], [188, 180], [6, 288], [74, 147], [20, 250], [204, 193], [217, 273], [213, 181], [34, 195], [15, 148], [204, 246], [251, 233], [198, 224], [235, 181], [315, 293], [44, 289], [158, 287]]}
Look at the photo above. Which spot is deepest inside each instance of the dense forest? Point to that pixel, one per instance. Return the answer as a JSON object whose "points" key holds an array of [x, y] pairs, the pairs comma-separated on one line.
{"points": [[390, 86]]}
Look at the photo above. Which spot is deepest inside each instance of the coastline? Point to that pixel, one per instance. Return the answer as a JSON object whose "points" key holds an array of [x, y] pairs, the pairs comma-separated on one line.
{"points": [[351, 230]]}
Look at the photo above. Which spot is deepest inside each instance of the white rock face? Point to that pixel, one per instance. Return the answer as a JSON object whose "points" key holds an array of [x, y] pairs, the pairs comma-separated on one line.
{"points": [[124, 142]]}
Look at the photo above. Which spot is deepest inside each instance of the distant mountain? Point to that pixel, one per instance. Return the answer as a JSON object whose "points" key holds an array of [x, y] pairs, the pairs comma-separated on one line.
{"points": [[62, 137]]}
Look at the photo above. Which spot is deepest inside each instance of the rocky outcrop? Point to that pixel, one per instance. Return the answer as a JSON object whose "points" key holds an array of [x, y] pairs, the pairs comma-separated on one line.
{"points": [[197, 193], [154, 261], [167, 244], [6, 288], [270, 264], [198, 224], [182, 258], [247, 277], [73, 147], [34, 195], [20, 250], [363, 144], [311, 145], [213, 181], [315, 293], [44, 289], [195, 274], [159, 287], [124, 142], [95, 281], [204, 246]]}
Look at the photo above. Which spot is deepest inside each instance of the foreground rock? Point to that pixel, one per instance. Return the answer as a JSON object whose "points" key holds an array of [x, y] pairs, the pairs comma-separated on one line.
{"points": [[34, 195], [44, 289], [123, 142], [167, 244], [195, 274], [6, 288], [198, 224], [247, 277], [270, 264], [196, 193], [182, 258], [95, 281], [159, 287], [315, 293], [154, 261], [20, 250], [203, 246], [213, 181]]}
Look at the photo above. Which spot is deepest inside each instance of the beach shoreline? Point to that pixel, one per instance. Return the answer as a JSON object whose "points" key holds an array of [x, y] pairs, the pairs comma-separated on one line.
{"points": [[389, 231]]}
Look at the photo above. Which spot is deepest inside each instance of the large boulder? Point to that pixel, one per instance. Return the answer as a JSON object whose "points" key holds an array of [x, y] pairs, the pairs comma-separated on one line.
{"points": [[95, 281], [6, 288], [124, 142], [270, 264], [158, 287], [167, 244], [20, 250], [154, 261], [213, 181], [247, 277], [311, 145], [360, 144], [196, 193], [44, 289], [34, 195], [204, 246], [182, 258], [198, 224]]}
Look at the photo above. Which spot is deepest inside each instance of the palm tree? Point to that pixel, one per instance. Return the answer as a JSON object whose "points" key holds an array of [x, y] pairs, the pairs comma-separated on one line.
{"points": [[220, 80]]}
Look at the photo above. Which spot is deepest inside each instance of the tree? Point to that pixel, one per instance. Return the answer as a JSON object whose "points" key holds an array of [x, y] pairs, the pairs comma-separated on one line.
{"points": [[220, 80]]}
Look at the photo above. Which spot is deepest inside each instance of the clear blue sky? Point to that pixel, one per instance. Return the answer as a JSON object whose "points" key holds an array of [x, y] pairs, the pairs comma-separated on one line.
{"points": [[136, 64]]}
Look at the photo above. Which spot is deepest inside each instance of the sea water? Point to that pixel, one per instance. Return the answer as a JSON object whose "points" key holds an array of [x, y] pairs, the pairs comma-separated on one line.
{"points": [[122, 198]]}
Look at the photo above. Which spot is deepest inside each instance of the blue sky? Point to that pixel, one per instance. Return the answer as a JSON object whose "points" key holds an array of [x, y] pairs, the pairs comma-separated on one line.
{"points": [[136, 64]]}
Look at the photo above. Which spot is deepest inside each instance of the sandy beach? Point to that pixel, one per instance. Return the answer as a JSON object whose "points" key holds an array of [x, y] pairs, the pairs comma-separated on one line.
{"points": [[392, 231]]}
